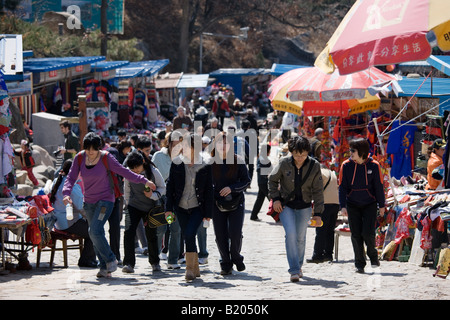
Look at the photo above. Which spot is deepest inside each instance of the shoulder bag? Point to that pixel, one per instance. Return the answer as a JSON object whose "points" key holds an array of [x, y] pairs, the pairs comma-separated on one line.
{"points": [[156, 216]]}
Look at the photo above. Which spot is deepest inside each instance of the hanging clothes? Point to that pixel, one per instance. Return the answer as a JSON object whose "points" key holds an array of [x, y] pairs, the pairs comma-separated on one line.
{"points": [[401, 146]]}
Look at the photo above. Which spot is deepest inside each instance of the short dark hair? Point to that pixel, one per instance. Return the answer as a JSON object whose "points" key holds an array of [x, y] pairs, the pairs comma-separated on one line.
{"points": [[299, 144], [92, 140], [66, 124], [121, 133], [134, 160], [143, 142], [362, 146]]}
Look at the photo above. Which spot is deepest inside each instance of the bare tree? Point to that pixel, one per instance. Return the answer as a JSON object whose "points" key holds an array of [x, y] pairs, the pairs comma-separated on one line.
{"points": [[201, 15]]}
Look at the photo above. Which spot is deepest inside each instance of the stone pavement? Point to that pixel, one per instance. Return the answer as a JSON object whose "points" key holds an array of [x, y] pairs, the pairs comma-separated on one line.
{"points": [[265, 278]]}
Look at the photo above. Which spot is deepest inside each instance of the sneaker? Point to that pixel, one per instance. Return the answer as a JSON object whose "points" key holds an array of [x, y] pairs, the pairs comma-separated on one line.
{"points": [[226, 272], [295, 277], [359, 270], [181, 260], [300, 274], [315, 260], [240, 266], [156, 267], [173, 266], [103, 274], [163, 256], [375, 263], [111, 266], [202, 260], [139, 250], [128, 269]]}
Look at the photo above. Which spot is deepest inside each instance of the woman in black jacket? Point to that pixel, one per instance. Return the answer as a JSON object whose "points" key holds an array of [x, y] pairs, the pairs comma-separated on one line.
{"points": [[189, 194], [361, 194], [230, 179]]}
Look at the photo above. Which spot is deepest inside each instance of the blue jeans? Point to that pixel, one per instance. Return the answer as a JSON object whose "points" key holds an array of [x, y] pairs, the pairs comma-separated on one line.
{"points": [[189, 220], [174, 240], [97, 214], [295, 224], [202, 239]]}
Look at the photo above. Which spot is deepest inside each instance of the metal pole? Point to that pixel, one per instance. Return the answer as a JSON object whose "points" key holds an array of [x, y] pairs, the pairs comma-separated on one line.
{"points": [[201, 54], [380, 141]]}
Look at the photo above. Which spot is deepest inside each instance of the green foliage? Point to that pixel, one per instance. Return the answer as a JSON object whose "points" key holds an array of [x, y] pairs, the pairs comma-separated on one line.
{"points": [[46, 43]]}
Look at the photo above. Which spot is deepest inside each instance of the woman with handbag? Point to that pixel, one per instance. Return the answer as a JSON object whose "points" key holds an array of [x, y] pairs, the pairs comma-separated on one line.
{"points": [[230, 179], [99, 195], [140, 201], [293, 185], [190, 195]]}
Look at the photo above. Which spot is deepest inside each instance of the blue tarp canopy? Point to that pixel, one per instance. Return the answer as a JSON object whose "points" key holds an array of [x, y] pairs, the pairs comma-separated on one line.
{"points": [[233, 77], [141, 69], [279, 69], [49, 64], [408, 86], [439, 90], [442, 63], [107, 65]]}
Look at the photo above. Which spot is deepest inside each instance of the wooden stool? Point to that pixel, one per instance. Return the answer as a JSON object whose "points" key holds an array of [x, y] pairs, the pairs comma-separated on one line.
{"points": [[63, 237], [337, 234]]}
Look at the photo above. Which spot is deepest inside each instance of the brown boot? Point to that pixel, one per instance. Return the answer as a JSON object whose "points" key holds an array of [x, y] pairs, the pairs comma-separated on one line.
{"points": [[190, 266], [196, 266]]}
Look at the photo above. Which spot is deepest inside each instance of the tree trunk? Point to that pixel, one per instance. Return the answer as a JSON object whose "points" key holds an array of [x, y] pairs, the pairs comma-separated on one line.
{"points": [[184, 36], [104, 28]]}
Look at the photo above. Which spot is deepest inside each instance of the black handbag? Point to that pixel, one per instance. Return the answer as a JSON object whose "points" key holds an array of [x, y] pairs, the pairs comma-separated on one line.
{"points": [[156, 217], [229, 203]]}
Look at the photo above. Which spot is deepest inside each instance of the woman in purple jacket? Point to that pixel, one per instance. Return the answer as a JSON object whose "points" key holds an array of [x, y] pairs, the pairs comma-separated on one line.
{"points": [[98, 195]]}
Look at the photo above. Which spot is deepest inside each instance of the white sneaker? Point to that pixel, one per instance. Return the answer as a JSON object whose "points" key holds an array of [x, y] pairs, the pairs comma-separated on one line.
{"points": [[111, 266], [202, 260], [181, 261], [103, 274], [139, 250], [173, 266], [128, 269], [163, 256]]}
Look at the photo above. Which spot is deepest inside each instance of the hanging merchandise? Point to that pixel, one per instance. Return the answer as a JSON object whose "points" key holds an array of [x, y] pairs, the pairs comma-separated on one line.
{"points": [[153, 105], [91, 93], [400, 145], [124, 112]]}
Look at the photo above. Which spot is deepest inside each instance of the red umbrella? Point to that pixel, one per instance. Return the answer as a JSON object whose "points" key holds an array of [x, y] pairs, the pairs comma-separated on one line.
{"points": [[315, 85], [384, 32]]}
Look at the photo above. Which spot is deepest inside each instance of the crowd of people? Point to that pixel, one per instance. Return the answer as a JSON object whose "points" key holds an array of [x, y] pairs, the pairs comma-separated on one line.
{"points": [[202, 171]]}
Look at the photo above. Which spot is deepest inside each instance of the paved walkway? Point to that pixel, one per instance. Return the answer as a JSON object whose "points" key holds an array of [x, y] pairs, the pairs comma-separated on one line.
{"points": [[266, 276]]}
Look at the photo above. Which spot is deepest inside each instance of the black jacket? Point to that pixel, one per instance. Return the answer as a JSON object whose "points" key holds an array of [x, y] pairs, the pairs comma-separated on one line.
{"points": [[203, 188]]}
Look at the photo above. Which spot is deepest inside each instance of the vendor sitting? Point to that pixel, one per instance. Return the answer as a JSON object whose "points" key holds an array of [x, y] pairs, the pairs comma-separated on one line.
{"points": [[435, 160], [77, 225]]}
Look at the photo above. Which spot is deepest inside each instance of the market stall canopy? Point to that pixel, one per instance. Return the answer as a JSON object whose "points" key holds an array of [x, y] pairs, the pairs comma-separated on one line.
{"points": [[141, 69], [279, 69], [105, 70], [438, 88], [234, 77], [193, 81], [442, 63], [56, 69], [167, 80], [407, 87], [377, 32]]}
